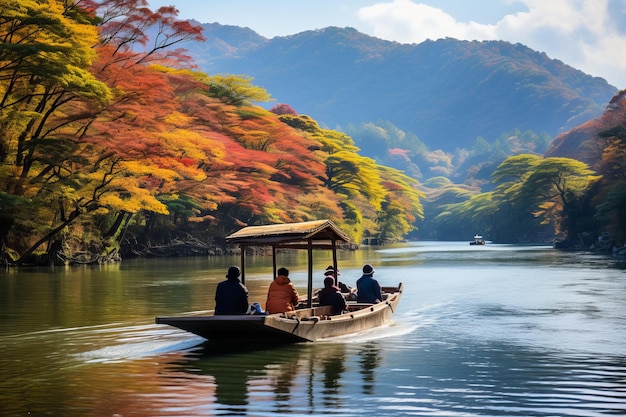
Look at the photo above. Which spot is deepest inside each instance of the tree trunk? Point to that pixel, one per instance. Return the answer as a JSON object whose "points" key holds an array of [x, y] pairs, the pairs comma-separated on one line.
{"points": [[73, 215]]}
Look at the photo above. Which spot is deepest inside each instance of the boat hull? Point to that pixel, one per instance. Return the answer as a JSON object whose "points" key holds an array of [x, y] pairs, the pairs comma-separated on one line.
{"points": [[305, 325], [230, 328]]}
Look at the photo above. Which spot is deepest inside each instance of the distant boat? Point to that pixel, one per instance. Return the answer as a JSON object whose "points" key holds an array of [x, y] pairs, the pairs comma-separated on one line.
{"points": [[310, 323], [478, 240]]}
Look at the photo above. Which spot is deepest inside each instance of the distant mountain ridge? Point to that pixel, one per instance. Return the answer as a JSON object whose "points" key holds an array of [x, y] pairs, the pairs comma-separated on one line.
{"points": [[448, 92]]}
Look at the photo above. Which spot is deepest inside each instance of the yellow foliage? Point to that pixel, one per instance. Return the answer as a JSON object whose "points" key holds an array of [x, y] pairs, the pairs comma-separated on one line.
{"points": [[185, 143], [178, 119], [140, 168], [140, 199]]}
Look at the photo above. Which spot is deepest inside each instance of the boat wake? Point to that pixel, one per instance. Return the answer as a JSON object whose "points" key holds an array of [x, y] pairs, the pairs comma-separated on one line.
{"points": [[397, 328], [133, 342]]}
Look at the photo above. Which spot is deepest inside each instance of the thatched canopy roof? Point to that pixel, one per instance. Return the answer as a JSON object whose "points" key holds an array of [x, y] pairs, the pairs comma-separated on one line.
{"points": [[320, 233]]}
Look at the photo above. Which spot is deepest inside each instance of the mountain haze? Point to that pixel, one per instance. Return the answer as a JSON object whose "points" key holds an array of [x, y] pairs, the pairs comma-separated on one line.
{"points": [[448, 92]]}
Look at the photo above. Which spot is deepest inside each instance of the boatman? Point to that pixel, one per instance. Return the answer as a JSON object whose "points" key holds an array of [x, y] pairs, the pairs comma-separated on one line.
{"points": [[231, 296]]}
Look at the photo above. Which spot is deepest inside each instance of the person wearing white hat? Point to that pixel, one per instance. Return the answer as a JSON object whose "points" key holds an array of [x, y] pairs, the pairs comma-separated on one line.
{"points": [[368, 289]]}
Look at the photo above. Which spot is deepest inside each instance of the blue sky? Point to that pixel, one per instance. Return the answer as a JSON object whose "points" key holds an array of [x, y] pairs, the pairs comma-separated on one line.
{"points": [[587, 34]]}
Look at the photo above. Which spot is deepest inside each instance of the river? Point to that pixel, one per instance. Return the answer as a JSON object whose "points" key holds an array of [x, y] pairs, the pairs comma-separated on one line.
{"points": [[494, 330]]}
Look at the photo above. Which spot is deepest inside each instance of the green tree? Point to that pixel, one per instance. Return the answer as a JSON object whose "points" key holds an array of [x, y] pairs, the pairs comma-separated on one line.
{"points": [[462, 220], [401, 207], [236, 90], [531, 193], [556, 186]]}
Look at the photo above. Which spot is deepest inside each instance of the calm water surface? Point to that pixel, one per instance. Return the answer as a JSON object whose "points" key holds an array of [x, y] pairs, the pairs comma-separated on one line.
{"points": [[481, 331]]}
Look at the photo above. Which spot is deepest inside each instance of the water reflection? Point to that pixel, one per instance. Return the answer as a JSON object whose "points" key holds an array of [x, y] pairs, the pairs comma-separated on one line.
{"points": [[369, 361], [229, 380]]}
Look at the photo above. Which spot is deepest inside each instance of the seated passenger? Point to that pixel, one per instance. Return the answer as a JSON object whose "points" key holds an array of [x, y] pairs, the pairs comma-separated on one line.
{"points": [[331, 295], [368, 289], [282, 296], [348, 292], [231, 296]]}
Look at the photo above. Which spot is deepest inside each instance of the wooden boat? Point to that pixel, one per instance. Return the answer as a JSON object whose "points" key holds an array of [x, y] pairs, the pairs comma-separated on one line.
{"points": [[307, 324], [478, 240]]}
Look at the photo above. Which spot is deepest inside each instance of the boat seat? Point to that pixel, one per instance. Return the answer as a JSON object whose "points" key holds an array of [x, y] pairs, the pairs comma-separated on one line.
{"points": [[323, 311], [358, 306], [306, 313]]}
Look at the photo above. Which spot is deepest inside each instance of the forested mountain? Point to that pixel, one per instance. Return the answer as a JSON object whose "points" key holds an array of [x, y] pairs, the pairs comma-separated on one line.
{"points": [[446, 92], [110, 143]]}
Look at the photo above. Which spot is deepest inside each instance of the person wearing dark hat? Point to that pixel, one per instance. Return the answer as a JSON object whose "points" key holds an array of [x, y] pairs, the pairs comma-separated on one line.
{"points": [[282, 296], [348, 293], [368, 289], [231, 296], [330, 295]]}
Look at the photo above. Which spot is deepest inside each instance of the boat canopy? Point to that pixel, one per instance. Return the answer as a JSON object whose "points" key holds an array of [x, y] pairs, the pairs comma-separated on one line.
{"points": [[317, 234], [321, 234]]}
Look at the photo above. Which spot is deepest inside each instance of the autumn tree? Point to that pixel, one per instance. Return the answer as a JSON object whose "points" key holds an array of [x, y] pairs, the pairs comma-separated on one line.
{"points": [[55, 90], [376, 201], [276, 164], [609, 197], [44, 69], [283, 109]]}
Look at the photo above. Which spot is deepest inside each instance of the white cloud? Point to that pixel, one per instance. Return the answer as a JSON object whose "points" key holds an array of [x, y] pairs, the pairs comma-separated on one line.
{"points": [[409, 22], [587, 34]]}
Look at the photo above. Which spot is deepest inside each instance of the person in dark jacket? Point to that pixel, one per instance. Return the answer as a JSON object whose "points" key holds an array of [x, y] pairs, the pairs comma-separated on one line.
{"points": [[231, 296], [368, 289], [331, 295], [348, 292]]}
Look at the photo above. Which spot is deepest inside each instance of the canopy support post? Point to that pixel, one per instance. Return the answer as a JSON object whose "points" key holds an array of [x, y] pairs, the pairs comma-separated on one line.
{"points": [[274, 270], [310, 283], [334, 244], [242, 248]]}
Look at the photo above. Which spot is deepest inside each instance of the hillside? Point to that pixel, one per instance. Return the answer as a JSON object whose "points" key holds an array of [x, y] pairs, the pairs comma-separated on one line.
{"points": [[587, 142], [448, 92]]}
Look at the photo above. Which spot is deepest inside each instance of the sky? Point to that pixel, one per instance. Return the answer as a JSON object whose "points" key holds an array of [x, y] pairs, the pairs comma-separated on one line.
{"points": [[589, 35]]}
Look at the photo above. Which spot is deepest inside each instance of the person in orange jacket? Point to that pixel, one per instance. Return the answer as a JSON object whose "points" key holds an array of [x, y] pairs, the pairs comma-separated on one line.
{"points": [[282, 296]]}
